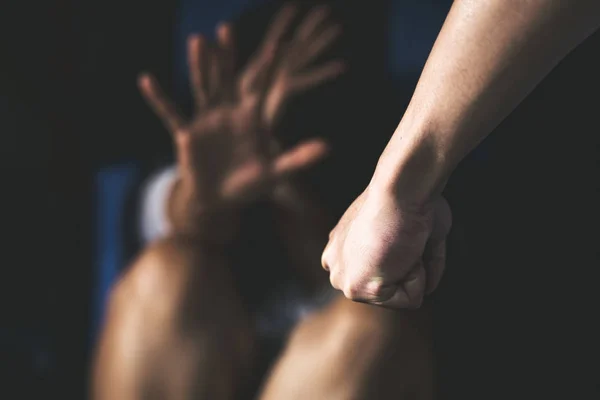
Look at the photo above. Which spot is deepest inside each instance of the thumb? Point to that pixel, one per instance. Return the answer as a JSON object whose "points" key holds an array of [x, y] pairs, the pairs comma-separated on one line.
{"points": [[409, 293], [302, 156]]}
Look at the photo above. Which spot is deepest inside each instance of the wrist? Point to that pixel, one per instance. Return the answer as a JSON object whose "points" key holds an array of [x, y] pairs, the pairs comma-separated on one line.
{"points": [[413, 167], [187, 214]]}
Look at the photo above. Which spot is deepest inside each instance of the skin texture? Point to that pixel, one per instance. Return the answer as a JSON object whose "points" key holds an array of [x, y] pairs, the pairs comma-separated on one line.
{"points": [[226, 153], [388, 249], [176, 327]]}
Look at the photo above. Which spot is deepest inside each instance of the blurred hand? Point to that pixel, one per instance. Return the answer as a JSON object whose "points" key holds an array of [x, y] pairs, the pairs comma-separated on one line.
{"points": [[225, 152], [386, 253]]}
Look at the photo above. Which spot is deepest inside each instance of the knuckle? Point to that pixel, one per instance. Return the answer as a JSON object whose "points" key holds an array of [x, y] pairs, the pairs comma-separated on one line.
{"points": [[331, 234], [379, 290], [333, 280], [324, 261], [327, 260], [352, 291]]}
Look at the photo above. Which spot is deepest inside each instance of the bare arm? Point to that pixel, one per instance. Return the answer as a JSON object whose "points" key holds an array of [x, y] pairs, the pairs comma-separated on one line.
{"points": [[389, 247], [488, 57]]}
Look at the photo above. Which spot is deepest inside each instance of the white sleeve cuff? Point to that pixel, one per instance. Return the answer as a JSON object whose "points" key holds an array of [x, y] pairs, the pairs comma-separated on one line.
{"points": [[154, 222]]}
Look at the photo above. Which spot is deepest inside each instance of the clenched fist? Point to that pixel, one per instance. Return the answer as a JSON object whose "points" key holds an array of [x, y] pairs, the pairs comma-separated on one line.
{"points": [[387, 253]]}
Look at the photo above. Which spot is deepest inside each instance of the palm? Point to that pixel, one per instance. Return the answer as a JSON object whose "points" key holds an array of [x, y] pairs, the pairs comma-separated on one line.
{"points": [[221, 151], [218, 157], [225, 152]]}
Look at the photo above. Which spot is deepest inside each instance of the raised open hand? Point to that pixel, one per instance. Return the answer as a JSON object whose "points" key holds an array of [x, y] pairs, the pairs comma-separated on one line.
{"points": [[223, 152], [388, 253]]}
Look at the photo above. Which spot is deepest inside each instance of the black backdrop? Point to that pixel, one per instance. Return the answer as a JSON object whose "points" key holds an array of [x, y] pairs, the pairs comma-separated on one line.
{"points": [[70, 106]]}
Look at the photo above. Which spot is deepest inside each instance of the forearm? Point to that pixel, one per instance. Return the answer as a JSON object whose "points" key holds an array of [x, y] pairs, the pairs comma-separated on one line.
{"points": [[487, 58]]}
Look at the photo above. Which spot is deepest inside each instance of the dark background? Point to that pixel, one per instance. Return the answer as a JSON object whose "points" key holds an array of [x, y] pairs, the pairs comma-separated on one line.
{"points": [[69, 107]]}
